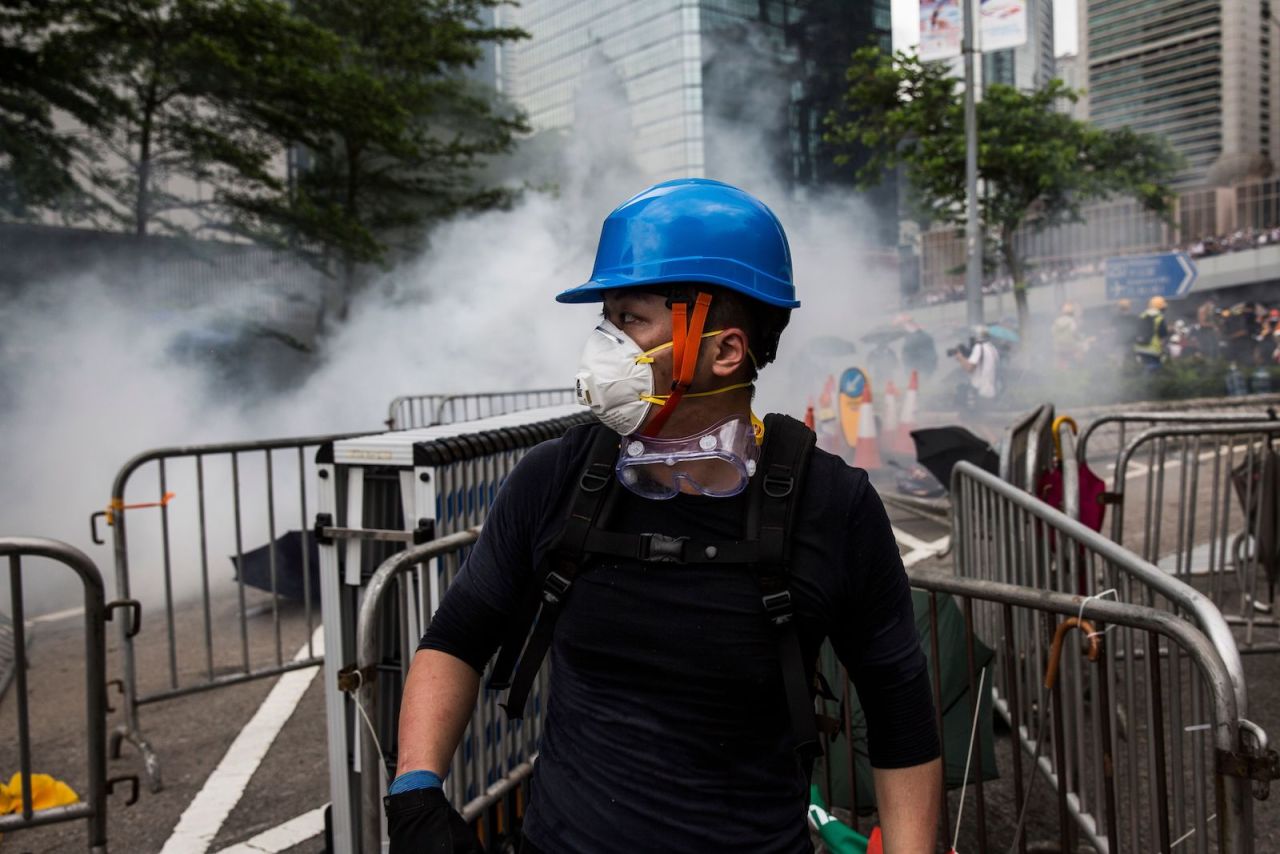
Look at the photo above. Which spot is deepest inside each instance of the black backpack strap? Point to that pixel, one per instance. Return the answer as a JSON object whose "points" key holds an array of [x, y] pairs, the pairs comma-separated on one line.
{"points": [[771, 516], [521, 655]]}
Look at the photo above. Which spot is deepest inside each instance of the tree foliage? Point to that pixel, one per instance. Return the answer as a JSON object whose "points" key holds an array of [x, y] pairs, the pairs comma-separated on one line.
{"points": [[393, 133], [1038, 165], [189, 76], [43, 72], [339, 128]]}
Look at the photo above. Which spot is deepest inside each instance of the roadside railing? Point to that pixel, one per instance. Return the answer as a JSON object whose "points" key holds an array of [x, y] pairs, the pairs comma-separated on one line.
{"points": [[495, 757], [1006, 536], [409, 411], [377, 496], [1202, 502], [92, 806], [1183, 791], [1027, 448], [1131, 764], [1108, 434], [210, 501]]}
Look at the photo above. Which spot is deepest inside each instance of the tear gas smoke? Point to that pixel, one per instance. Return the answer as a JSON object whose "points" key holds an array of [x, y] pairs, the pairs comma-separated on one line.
{"points": [[92, 378]]}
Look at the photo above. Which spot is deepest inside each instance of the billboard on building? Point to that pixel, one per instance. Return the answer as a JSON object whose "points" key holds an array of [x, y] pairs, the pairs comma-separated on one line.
{"points": [[1004, 24], [941, 26]]}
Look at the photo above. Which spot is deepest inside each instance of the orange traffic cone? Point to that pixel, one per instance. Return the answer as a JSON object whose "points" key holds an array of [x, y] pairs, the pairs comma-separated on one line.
{"points": [[808, 417], [907, 418], [867, 454]]}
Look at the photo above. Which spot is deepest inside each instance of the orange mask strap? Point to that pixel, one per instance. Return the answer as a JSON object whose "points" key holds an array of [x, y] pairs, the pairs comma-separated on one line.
{"points": [[685, 344]]}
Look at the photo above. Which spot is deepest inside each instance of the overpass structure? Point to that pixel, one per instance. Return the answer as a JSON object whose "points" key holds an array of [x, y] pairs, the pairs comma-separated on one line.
{"points": [[1260, 266]]}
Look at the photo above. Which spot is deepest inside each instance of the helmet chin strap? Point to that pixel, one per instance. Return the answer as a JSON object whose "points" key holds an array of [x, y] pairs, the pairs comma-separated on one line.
{"points": [[686, 341]]}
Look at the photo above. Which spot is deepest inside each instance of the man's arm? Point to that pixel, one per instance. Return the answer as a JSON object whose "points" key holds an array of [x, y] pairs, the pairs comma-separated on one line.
{"points": [[908, 801], [439, 697]]}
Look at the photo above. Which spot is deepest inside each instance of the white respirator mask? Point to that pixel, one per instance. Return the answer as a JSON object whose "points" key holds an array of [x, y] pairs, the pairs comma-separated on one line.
{"points": [[615, 379]]}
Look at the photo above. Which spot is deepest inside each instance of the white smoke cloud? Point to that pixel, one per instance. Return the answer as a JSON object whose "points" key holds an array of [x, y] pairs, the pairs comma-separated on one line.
{"points": [[92, 377]]}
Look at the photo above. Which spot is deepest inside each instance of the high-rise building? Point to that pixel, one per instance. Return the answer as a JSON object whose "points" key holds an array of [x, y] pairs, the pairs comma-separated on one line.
{"points": [[1031, 65], [692, 87], [1067, 68], [1199, 72]]}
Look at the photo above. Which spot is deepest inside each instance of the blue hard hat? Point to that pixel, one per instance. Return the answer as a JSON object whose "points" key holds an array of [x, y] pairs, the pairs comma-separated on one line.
{"points": [[692, 230]]}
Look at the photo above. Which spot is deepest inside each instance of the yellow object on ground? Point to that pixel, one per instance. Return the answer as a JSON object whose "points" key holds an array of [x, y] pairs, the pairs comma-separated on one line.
{"points": [[46, 793]]}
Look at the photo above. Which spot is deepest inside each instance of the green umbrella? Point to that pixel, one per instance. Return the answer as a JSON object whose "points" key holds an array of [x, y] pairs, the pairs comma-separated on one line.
{"points": [[957, 720]]}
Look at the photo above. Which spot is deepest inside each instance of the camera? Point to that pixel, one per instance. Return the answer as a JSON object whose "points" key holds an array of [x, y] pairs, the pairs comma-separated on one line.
{"points": [[962, 349]]}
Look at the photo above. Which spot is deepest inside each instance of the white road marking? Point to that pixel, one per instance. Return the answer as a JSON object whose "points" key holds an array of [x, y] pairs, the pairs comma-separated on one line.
{"points": [[282, 837], [209, 809], [920, 549], [56, 616]]}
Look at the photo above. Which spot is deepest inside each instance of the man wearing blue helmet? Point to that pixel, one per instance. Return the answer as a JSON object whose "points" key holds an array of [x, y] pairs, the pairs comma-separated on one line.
{"points": [[681, 563]]}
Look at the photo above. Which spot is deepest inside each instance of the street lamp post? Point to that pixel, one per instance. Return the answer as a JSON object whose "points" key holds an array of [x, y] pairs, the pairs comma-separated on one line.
{"points": [[972, 227]]}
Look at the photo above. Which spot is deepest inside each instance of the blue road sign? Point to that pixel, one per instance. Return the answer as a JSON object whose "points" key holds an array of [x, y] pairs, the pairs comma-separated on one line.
{"points": [[1169, 275]]}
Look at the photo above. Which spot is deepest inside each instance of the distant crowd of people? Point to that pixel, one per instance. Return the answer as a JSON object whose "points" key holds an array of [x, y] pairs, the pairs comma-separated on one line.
{"points": [[1245, 238], [1246, 334]]}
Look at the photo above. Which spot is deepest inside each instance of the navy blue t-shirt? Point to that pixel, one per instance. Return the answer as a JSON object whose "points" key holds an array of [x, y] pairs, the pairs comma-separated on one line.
{"points": [[667, 727]]}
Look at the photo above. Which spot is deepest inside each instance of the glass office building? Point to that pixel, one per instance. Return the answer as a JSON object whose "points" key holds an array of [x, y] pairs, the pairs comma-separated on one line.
{"points": [[689, 86], [1199, 72], [1030, 66]]}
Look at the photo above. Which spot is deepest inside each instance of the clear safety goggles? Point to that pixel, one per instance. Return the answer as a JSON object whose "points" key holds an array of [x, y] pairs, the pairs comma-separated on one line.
{"points": [[716, 463]]}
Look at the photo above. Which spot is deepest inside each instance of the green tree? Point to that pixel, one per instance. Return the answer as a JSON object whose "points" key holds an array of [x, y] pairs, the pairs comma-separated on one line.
{"points": [[42, 73], [202, 84], [393, 136], [1038, 166]]}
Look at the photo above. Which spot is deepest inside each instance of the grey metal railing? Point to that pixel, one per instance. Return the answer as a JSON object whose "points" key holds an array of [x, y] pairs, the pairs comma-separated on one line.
{"points": [[1022, 447], [1078, 744], [376, 496], [92, 807], [1107, 434], [212, 498], [409, 411], [1212, 492], [495, 757], [1004, 535]]}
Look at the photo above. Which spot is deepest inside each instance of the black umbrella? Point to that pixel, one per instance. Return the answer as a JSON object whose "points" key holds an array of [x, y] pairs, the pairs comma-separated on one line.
{"points": [[289, 567], [939, 449]]}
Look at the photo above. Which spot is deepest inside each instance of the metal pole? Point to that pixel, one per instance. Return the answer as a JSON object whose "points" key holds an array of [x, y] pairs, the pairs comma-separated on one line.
{"points": [[972, 229]]}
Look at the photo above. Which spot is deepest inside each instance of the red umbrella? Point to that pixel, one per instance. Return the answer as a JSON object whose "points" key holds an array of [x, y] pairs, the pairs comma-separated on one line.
{"points": [[1051, 489]]}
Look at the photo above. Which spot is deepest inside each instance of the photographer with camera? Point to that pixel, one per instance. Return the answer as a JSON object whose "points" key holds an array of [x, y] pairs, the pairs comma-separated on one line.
{"points": [[982, 363]]}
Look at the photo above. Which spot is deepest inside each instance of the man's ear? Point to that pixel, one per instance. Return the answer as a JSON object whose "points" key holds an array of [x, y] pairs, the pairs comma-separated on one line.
{"points": [[729, 355]]}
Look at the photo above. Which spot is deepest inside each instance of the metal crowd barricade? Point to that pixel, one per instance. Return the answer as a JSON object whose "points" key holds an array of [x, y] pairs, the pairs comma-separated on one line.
{"points": [[1202, 501], [92, 806], [213, 500], [1027, 447], [378, 495], [1107, 433], [1182, 765], [494, 761], [409, 411], [1183, 796]]}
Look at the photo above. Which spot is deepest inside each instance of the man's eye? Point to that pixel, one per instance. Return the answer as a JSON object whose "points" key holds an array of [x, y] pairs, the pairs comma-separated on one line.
{"points": [[628, 317]]}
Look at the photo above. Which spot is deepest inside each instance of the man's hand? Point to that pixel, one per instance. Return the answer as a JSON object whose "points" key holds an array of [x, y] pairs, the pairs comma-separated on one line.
{"points": [[908, 801], [420, 821]]}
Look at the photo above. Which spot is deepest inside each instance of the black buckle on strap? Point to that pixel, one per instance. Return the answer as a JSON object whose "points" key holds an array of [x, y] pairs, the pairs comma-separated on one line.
{"points": [[661, 548], [777, 607], [778, 486], [554, 587], [595, 477]]}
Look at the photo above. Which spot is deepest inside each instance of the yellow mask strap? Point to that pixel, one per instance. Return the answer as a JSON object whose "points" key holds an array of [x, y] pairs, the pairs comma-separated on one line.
{"points": [[659, 399], [646, 358]]}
